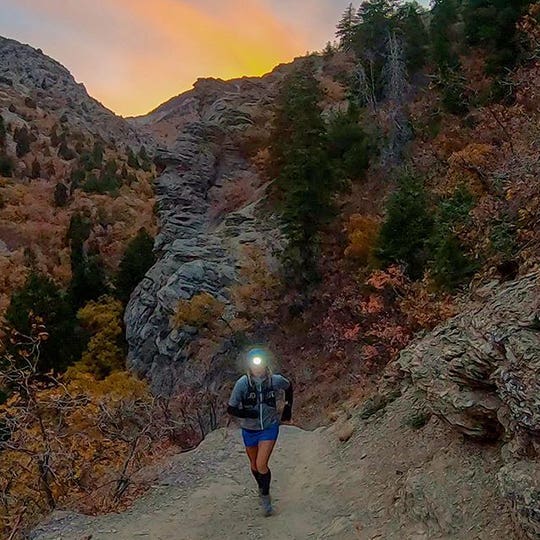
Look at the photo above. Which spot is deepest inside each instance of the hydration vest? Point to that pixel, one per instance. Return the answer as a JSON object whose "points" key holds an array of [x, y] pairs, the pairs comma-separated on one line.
{"points": [[268, 397]]}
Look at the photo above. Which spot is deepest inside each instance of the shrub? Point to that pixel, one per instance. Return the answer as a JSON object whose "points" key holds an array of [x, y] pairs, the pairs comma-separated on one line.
{"points": [[65, 152], [258, 292], [200, 311], [71, 442], [105, 351], [503, 238], [362, 233], [106, 183], [418, 419], [374, 404], [77, 178]]}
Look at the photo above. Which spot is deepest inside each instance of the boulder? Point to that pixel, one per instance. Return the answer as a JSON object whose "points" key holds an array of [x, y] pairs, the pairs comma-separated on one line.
{"points": [[486, 356]]}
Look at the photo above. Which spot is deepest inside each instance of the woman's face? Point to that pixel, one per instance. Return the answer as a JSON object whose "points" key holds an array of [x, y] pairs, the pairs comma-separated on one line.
{"points": [[258, 371]]}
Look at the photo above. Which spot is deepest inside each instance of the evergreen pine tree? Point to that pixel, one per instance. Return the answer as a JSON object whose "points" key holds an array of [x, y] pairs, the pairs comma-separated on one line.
{"points": [[405, 232], [41, 297], [492, 25], [132, 160], [6, 164], [413, 32], [88, 281], [137, 260], [449, 262], [97, 155], [36, 169], [61, 195], [2, 133], [305, 182], [346, 28], [444, 14], [22, 139]]}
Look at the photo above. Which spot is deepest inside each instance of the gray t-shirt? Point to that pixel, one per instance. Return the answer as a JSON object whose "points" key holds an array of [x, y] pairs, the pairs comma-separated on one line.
{"points": [[267, 415]]}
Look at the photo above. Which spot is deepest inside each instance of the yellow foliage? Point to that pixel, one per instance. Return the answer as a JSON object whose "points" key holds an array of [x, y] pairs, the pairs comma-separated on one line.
{"points": [[362, 232], [258, 292], [202, 310], [74, 443], [104, 353]]}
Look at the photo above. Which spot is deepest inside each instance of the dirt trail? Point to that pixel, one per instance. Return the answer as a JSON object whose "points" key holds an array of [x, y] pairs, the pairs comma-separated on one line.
{"points": [[209, 493], [388, 481]]}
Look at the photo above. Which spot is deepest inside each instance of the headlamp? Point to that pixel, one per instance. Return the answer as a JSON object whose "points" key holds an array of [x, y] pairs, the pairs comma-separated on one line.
{"points": [[257, 357]]}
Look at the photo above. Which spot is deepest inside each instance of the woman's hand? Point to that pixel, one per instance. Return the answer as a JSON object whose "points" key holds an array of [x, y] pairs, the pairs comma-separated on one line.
{"points": [[286, 415]]}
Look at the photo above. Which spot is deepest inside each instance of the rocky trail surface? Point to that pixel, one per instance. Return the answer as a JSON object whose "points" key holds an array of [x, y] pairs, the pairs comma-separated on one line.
{"points": [[385, 481]]}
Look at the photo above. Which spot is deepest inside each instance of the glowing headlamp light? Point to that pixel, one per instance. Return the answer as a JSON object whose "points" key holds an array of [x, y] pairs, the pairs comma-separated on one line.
{"points": [[256, 360]]}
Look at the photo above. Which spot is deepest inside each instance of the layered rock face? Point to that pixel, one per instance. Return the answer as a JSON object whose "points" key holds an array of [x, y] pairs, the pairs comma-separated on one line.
{"points": [[198, 246], [480, 372]]}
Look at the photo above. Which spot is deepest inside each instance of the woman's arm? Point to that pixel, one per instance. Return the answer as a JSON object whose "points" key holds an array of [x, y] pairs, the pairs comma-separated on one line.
{"points": [[286, 415], [242, 413], [234, 406]]}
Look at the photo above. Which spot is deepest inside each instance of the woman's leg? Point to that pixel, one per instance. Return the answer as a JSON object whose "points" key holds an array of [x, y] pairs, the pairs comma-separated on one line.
{"points": [[252, 451], [262, 455]]}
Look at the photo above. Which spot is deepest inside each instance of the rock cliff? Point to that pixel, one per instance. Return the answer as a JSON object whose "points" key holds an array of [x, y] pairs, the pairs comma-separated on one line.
{"points": [[209, 201]]}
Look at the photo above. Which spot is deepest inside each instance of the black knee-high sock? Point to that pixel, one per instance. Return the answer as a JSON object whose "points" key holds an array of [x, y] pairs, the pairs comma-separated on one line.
{"points": [[265, 482], [257, 476]]}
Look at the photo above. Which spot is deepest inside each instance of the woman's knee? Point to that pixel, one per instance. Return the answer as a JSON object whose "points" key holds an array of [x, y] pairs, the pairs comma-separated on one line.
{"points": [[262, 465]]}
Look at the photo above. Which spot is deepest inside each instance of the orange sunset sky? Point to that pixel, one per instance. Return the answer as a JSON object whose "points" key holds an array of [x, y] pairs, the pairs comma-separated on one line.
{"points": [[134, 54]]}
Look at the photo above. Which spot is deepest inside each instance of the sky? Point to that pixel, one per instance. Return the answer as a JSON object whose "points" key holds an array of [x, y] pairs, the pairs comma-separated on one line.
{"points": [[133, 55]]}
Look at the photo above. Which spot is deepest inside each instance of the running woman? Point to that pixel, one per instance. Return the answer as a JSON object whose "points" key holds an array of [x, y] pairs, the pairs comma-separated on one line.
{"points": [[253, 400]]}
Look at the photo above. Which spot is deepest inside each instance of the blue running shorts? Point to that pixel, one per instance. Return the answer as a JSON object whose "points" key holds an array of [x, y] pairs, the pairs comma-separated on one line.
{"points": [[254, 437]]}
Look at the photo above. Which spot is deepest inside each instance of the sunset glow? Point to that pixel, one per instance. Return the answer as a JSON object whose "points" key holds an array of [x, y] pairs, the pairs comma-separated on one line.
{"points": [[134, 54]]}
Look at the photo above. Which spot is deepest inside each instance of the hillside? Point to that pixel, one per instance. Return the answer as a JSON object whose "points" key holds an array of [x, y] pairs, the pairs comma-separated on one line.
{"points": [[62, 153]]}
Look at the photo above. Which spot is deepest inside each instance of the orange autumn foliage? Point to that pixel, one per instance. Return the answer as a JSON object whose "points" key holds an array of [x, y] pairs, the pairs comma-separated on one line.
{"points": [[468, 167]]}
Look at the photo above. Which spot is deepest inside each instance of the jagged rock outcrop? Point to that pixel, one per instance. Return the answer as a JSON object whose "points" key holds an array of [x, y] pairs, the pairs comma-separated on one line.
{"points": [[480, 372], [198, 251]]}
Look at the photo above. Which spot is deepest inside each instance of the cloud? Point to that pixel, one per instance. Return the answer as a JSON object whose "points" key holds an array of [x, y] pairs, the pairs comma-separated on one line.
{"points": [[134, 54]]}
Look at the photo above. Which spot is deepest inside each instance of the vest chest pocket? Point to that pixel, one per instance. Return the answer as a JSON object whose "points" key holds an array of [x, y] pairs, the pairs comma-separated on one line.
{"points": [[270, 398], [250, 400]]}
